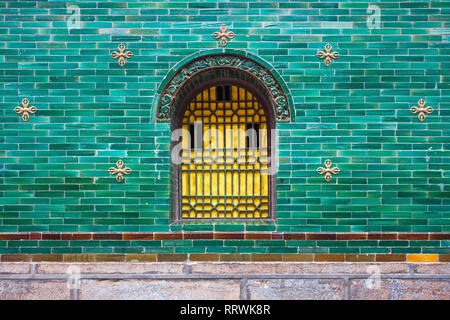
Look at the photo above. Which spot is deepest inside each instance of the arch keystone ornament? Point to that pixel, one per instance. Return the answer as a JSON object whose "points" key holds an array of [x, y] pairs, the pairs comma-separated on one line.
{"points": [[223, 34], [209, 62], [25, 110], [328, 170], [122, 55], [328, 55], [120, 170], [421, 109]]}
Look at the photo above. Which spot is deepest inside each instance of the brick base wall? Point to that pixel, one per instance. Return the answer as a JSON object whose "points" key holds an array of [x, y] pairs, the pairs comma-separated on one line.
{"points": [[225, 280]]}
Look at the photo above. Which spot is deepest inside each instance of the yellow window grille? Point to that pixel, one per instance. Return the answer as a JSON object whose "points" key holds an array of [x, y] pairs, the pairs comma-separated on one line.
{"points": [[225, 174]]}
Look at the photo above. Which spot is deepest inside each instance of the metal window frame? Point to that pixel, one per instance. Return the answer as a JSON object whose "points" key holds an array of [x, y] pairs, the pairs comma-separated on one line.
{"points": [[176, 168]]}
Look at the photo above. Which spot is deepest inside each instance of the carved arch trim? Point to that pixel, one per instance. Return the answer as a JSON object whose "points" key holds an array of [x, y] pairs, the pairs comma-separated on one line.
{"points": [[272, 81]]}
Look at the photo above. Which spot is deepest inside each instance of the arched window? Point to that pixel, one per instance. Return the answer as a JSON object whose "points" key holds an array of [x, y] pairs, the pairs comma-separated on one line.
{"points": [[225, 155], [223, 110]]}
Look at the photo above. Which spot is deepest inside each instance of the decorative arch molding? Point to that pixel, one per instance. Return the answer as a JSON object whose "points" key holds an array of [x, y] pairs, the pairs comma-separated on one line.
{"points": [[240, 61]]}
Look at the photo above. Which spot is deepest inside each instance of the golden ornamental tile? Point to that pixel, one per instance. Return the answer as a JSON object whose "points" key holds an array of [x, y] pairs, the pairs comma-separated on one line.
{"points": [[120, 170], [421, 109], [25, 109], [327, 55], [122, 55], [223, 34], [328, 170]]}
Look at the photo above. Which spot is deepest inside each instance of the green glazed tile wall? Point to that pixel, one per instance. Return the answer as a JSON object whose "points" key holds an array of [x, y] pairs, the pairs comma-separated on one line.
{"points": [[395, 169], [224, 247]]}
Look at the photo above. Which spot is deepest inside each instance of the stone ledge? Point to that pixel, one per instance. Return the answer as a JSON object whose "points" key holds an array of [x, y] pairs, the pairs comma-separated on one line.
{"points": [[111, 267], [225, 280], [34, 290], [138, 289], [296, 289], [401, 289], [294, 268], [225, 270]]}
